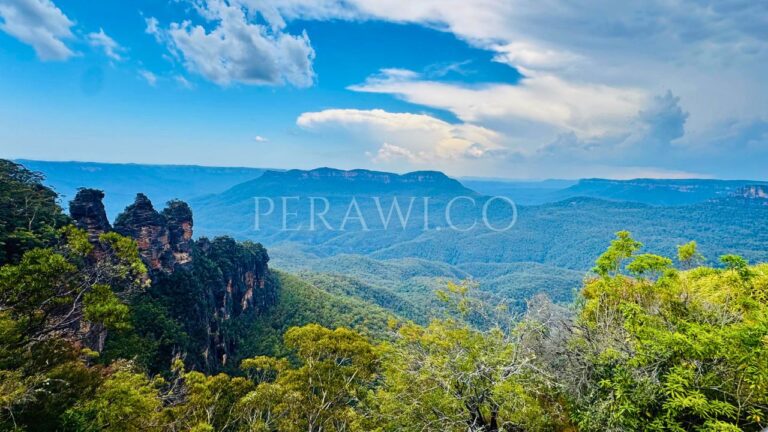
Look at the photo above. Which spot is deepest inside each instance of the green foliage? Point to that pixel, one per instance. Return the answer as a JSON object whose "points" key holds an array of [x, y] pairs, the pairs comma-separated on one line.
{"points": [[29, 213], [689, 256], [646, 348], [301, 303], [126, 401], [207, 402], [451, 377], [327, 390], [152, 339], [101, 305], [55, 305], [687, 351], [621, 248], [49, 290], [645, 264]]}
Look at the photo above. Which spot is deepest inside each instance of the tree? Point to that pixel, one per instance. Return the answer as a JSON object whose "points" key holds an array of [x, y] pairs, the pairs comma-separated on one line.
{"points": [[686, 351], [621, 248], [449, 376], [126, 401], [326, 392], [56, 305], [59, 292], [688, 255], [29, 213]]}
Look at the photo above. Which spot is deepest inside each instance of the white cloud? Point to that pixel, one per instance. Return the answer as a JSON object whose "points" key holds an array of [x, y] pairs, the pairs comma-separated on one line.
{"points": [[530, 58], [182, 81], [260, 139], [713, 55], [153, 26], [111, 48], [148, 76], [412, 138], [586, 109], [236, 49], [40, 24]]}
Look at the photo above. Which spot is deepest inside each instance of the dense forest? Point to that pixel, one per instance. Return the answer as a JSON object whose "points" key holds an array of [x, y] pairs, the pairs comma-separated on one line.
{"points": [[138, 327]]}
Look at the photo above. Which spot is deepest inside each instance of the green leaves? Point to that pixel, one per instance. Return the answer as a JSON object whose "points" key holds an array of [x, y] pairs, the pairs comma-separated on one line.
{"points": [[647, 264], [101, 305], [127, 401], [29, 214], [684, 351], [620, 249], [688, 255]]}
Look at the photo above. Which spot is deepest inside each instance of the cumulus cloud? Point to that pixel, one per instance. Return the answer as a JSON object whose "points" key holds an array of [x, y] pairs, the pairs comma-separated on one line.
{"points": [[237, 49], [111, 48], [414, 138], [260, 139], [652, 132], [38, 23]]}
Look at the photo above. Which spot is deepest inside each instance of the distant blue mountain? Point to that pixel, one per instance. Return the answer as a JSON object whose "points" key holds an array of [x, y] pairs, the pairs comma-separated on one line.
{"points": [[330, 181], [521, 192], [121, 182], [658, 192], [655, 191]]}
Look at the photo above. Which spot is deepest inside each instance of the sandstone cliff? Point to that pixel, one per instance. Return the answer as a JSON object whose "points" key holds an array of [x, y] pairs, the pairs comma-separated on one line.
{"points": [[204, 284], [87, 210]]}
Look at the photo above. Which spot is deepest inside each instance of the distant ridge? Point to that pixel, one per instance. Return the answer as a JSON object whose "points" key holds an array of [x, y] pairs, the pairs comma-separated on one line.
{"points": [[654, 191], [332, 181]]}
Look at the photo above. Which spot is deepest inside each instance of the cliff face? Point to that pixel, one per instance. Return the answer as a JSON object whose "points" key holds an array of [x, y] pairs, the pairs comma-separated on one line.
{"points": [[178, 217], [87, 210], [242, 286], [164, 239], [756, 193], [141, 221], [203, 284]]}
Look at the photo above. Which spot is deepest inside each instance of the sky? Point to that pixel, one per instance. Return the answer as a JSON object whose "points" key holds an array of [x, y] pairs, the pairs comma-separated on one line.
{"points": [[486, 88]]}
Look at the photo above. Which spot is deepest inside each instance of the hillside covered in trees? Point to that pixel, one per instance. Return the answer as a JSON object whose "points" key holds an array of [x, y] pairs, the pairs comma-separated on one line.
{"points": [[136, 326]]}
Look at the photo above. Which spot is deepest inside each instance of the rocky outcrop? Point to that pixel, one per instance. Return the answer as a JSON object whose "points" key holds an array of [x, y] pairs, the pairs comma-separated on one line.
{"points": [[178, 217], [204, 284], [243, 287], [87, 210], [754, 192], [149, 228], [750, 195]]}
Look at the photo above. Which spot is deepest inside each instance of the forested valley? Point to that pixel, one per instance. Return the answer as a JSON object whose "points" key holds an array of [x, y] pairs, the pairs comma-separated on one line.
{"points": [[137, 326]]}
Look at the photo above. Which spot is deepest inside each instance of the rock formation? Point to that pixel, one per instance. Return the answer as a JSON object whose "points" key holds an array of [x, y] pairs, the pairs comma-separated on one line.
{"points": [[754, 192], [178, 216], [204, 283], [750, 195], [149, 228], [87, 210]]}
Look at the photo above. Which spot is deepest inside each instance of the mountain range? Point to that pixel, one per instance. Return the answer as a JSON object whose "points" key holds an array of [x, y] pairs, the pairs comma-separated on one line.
{"points": [[559, 227]]}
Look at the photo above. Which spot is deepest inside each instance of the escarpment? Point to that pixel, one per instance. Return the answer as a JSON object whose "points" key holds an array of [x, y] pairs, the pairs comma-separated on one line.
{"points": [[204, 285]]}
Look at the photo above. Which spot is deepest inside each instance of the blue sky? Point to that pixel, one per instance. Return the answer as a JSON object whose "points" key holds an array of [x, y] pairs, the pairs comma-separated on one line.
{"points": [[501, 88]]}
